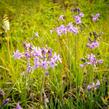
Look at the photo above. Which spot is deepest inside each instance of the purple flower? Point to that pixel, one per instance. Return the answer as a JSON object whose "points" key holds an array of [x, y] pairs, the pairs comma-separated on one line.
{"points": [[93, 85], [49, 53], [71, 28], [5, 101], [90, 86], [44, 64], [92, 59], [97, 85], [81, 14], [36, 62], [61, 30], [93, 45], [40, 57], [77, 19], [27, 46], [44, 51], [29, 68], [61, 17], [96, 17], [57, 58], [18, 106], [52, 63], [36, 52], [46, 73], [17, 55], [27, 55], [81, 65], [100, 61]]}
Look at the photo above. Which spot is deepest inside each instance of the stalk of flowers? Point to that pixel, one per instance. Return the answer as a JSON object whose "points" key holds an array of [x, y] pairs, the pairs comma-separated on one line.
{"points": [[95, 17], [63, 30], [93, 45], [78, 18], [91, 60], [93, 85], [38, 57]]}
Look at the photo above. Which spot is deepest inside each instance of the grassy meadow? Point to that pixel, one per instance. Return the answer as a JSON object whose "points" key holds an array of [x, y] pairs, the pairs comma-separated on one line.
{"points": [[54, 54]]}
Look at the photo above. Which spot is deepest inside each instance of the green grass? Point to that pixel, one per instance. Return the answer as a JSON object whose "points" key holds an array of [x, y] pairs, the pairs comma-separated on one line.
{"points": [[66, 85]]}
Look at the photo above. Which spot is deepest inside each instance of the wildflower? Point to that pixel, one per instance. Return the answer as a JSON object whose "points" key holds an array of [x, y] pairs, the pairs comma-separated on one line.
{"points": [[17, 54], [92, 59], [44, 64], [36, 52], [93, 85], [96, 17], [57, 58], [61, 18], [71, 28], [61, 30], [81, 65], [90, 86], [97, 84], [27, 46], [93, 45], [36, 62], [52, 63], [44, 51], [5, 102], [18, 106], [27, 55], [29, 68], [100, 61], [46, 73], [77, 19], [81, 14], [39, 57], [49, 53]]}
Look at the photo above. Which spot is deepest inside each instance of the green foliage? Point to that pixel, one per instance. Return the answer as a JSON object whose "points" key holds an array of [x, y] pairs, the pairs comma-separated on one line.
{"points": [[66, 85]]}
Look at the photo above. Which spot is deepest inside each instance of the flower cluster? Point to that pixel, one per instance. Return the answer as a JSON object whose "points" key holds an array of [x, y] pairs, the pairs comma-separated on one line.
{"points": [[39, 57], [78, 18], [95, 17], [93, 44], [93, 85], [91, 60], [62, 29]]}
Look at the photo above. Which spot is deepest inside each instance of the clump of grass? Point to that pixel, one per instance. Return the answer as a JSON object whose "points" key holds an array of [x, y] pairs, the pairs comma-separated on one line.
{"points": [[76, 31]]}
